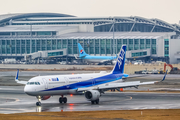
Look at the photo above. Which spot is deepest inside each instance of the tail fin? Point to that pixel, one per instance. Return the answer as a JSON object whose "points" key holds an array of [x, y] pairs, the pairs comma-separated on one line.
{"points": [[119, 66], [17, 74], [82, 53]]}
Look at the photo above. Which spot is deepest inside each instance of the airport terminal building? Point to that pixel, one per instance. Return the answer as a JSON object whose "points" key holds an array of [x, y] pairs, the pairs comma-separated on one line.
{"points": [[53, 35]]}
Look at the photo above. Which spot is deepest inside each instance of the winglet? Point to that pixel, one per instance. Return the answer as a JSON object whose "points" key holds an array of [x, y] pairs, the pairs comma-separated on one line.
{"points": [[16, 79], [82, 53], [164, 76], [119, 66], [17, 74]]}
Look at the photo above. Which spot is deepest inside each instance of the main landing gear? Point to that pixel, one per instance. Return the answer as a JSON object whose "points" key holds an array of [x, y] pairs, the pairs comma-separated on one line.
{"points": [[39, 101], [95, 101], [62, 99]]}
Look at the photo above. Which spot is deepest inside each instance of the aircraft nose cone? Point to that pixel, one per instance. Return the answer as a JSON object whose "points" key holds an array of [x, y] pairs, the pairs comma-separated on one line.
{"points": [[27, 90]]}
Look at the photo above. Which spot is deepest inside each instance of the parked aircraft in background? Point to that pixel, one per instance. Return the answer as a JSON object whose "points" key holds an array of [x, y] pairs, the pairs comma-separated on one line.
{"points": [[91, 85], [94, 59]]}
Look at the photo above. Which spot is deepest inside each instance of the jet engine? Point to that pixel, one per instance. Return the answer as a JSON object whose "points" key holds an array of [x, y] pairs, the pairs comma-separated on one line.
{"points": [[45, 97], [92, 95]]}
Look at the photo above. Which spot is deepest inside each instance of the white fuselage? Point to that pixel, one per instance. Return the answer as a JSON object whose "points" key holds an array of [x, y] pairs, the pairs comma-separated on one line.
{"points": [[63, 84]]}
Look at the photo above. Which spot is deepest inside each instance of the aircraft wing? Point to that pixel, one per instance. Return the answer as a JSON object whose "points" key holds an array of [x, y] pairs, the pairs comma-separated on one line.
{"points": [[116, 85], [16, 79], [119, 85]]}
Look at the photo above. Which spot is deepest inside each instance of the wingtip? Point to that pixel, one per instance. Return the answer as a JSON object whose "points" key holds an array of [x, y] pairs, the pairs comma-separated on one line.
{"points": [[164, 76]]}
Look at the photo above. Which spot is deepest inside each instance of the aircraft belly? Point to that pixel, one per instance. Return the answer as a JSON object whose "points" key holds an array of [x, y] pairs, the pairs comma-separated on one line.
{"points": [[53, 92]]}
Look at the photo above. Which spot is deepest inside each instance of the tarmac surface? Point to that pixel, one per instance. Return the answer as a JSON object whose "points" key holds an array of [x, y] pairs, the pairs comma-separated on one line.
{"points": [[14, 100]]}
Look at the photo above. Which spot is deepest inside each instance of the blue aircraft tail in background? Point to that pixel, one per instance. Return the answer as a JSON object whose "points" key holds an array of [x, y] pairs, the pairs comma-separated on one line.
{"points": [[82, 53], [119, 67]]}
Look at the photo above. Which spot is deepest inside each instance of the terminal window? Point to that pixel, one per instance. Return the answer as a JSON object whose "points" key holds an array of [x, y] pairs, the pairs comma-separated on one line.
{"points": [[55, 53], [139, 54]]}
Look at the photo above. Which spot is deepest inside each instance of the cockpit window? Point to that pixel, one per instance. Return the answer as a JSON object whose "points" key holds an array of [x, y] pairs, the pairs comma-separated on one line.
{"points": [[33, 83]]}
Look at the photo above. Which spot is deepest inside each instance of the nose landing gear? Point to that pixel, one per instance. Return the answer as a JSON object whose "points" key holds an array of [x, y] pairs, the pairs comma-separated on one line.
{"points": [[39, 101], [62, 99]]}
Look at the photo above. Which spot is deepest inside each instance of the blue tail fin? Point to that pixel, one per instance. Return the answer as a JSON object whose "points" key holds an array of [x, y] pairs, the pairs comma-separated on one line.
{"points": [[82, 53], [17, 74], [119, 66]]}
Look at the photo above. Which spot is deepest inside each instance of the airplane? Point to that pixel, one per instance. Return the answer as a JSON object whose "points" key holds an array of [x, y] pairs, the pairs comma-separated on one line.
{"points": [[91, 85], [94, 59]]}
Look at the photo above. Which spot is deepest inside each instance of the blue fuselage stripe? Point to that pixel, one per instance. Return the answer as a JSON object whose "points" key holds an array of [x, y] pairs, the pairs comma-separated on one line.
{"points": [[90, 82]]}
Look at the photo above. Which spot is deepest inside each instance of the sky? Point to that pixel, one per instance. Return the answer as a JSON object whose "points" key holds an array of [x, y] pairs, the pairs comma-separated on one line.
{"points": [[166, 10]]}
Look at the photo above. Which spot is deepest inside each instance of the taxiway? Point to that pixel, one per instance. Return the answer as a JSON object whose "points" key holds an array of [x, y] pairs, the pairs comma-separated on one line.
{"points": [[14, 100]]}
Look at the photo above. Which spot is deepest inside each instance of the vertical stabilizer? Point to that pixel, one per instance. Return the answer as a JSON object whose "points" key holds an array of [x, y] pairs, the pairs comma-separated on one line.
{"points": [[17, 74], [119, 66], [82, 53]]}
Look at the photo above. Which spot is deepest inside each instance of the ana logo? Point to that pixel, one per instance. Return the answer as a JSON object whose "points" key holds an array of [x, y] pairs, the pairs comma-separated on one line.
{"points": [[120, 58], [55, 79], [81, 51]]}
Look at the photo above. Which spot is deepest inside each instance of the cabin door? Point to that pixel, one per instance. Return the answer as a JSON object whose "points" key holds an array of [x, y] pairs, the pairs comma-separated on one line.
{"points": [[93, 81], [45, 83]]}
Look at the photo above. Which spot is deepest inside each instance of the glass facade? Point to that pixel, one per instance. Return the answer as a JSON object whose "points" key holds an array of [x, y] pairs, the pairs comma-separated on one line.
{"points": [[91, 46], [138, 54], [166, 47], [124, 27], [153, 46], [55, 53]]}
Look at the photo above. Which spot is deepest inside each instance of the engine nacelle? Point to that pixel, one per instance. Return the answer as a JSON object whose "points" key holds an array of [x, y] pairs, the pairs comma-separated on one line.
{"points": [[92, 95], [45, 97]]}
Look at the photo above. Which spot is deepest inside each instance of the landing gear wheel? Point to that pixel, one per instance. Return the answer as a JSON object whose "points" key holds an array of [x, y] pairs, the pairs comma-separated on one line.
{"points": [[97, 101], [65, 100], [38, 103], [60, 100], [92, 102]]}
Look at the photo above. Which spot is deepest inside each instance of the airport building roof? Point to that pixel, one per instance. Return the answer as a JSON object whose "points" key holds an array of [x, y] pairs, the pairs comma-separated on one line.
{"points": [[101, 24], [117, 35], [7, 17], [28, 28]]}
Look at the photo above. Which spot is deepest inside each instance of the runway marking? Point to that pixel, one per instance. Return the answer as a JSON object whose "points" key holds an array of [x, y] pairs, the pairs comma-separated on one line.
{"points": [[130, 98], [16, 99], [12, 109]]}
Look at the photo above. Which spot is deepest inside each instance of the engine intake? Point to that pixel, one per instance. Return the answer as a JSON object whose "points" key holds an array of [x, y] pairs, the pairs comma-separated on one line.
{"points": [[92, 95]]}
